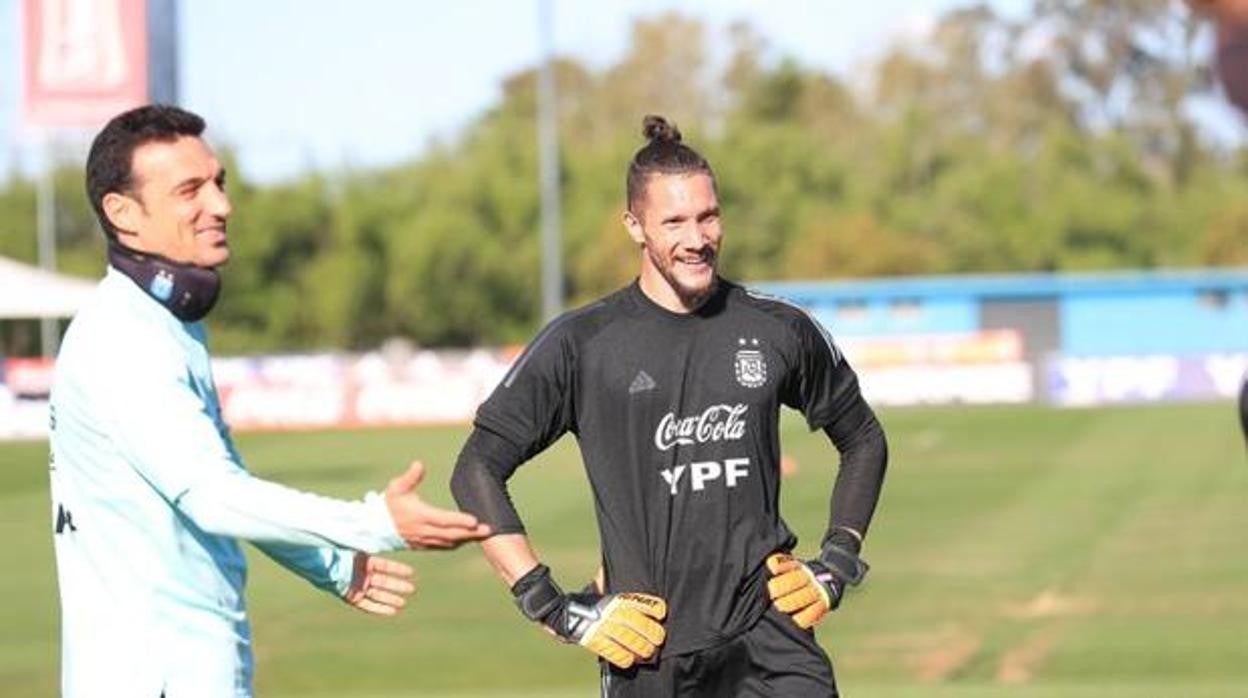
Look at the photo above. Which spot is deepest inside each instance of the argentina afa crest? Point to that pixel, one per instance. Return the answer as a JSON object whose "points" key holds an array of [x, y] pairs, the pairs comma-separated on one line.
{"points": [[750, 364], [162, 285]]}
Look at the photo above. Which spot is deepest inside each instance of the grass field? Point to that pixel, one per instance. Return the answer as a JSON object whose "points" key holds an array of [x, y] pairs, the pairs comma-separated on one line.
{"points": [[1016, 552]]}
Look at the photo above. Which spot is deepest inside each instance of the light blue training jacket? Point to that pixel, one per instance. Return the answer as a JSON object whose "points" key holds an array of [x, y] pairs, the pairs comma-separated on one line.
{"points": [[149, 498]]}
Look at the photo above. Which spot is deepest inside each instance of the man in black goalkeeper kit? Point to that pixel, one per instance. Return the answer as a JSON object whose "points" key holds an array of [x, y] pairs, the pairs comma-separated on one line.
{"points": [[673, 387]]}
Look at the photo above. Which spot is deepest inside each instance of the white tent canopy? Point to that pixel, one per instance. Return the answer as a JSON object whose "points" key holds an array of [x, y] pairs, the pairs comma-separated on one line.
{"points": [[28, 292]]}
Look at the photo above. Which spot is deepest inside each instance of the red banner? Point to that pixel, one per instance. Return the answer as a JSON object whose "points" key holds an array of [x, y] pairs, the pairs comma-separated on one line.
{"points": [[29, 378], [84, 61]]}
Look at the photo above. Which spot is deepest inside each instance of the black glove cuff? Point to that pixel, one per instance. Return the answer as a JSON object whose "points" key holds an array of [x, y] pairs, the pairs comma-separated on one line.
{"points": [[829, 579], [847, 566], [537, 596]]}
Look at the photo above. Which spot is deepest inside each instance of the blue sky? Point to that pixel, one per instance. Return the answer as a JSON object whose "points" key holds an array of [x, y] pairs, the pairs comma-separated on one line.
{"points": [[298, 84]]}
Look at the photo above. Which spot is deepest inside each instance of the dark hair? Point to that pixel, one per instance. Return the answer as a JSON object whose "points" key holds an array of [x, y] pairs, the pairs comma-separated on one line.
{"points": [[112, 151], [664, 154]]}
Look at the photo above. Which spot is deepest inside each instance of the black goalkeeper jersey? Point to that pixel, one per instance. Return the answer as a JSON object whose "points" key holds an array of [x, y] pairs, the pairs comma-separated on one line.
{"points": [[677, 417]]}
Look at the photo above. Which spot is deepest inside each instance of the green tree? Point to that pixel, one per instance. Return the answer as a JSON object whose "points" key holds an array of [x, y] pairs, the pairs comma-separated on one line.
{"points": [[1054, 141]]}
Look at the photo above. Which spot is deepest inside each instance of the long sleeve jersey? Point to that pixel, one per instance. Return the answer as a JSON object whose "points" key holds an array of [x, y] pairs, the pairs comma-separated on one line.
{"points": [[148, 498], [677, 419]]}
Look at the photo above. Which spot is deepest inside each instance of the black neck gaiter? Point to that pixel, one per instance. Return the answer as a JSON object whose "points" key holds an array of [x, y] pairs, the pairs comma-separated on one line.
{"points": [[188, 291]]}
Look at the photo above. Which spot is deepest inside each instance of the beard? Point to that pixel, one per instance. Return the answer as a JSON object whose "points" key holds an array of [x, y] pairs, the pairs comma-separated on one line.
{"points": [[691, 294]]}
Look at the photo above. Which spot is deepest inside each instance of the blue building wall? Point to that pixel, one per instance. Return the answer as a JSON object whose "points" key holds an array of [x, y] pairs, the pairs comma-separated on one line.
{"points": [[1177, 312], [880, 317], [1176, 323]]}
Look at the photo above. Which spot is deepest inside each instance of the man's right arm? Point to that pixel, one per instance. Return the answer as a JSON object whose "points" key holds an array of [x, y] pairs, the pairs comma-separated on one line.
{"points": [[479, 485], [621, 628], [240, 505], [168, 434]]}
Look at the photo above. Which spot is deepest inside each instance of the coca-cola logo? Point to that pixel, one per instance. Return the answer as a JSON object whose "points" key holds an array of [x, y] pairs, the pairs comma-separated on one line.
{"points": [[716, 423]]}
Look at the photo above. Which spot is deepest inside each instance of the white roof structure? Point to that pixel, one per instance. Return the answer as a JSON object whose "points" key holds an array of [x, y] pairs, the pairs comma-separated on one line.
{"points": [[28, 292]]}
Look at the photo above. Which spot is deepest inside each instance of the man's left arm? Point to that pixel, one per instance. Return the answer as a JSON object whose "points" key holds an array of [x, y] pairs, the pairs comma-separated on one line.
{"points": [[808, 590], [860, 439], [371, 583], [826, 390]]}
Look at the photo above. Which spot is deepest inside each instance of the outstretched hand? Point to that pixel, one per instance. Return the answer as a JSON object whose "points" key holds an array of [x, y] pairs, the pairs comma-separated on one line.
{"points": [[378, 585], [422, 525]]}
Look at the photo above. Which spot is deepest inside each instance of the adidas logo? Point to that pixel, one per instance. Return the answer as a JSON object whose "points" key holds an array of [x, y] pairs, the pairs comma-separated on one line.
{"points": [[642, 383]]}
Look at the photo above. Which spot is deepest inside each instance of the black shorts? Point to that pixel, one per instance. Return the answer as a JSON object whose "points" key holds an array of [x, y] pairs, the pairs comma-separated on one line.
{"points": [[773, 659]]}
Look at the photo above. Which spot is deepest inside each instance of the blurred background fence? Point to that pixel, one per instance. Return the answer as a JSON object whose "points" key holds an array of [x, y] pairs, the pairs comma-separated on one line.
{"points": [[1069, 340]]}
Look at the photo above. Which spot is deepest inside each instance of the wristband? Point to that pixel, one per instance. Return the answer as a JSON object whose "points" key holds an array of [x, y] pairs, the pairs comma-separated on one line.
{"points": [[843, 563], [537, 595]]}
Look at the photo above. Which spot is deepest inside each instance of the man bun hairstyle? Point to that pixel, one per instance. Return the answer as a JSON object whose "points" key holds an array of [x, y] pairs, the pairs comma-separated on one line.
{"points": [[656, 128], [112, 152], [663, 154]]}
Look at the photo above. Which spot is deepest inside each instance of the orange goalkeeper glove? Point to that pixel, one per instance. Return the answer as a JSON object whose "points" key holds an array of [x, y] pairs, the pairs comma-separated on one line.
{"points": [[622, 628], [808, 590]]}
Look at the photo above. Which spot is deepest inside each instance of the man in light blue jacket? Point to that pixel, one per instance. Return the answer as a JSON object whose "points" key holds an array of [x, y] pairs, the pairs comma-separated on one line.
{"points": [[149, 495]]}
